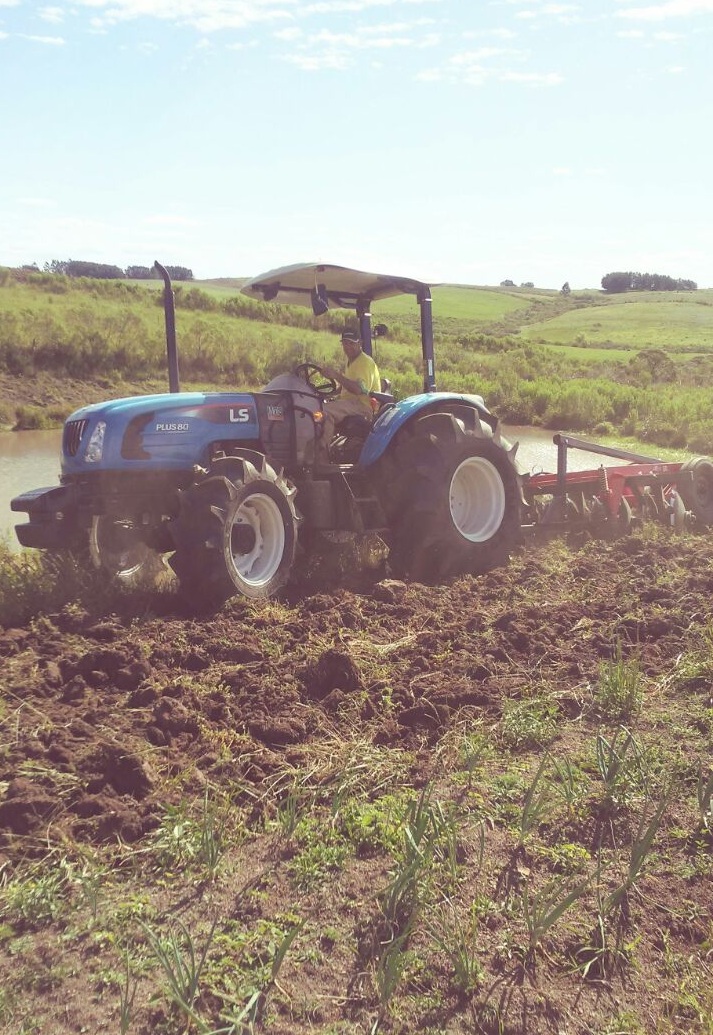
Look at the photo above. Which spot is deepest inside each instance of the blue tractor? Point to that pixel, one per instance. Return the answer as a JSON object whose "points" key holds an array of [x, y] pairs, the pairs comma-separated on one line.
{"points": [[224, 484]]}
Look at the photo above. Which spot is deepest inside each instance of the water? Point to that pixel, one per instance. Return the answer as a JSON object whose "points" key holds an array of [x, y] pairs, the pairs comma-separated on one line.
{"points": [[30, 459]]}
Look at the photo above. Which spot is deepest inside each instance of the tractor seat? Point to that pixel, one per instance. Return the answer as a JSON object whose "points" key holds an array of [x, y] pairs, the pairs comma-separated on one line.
{"points": [[382, 398], [354, 426]]}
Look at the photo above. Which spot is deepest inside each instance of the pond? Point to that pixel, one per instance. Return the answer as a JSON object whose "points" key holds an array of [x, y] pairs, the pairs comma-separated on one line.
{"points": [[30, 460]]}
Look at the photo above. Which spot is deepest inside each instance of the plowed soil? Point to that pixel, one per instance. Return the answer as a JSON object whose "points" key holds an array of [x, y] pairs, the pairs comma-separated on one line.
{"points": [[109, 720]]}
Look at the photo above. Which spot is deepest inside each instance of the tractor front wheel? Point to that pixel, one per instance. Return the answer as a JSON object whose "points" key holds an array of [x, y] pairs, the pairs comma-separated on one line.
{"points": [[237, 532], [118, 547]]}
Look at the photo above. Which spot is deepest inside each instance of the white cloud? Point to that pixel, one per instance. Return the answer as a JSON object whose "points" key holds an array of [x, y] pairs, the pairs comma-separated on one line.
{"points": [[50, 41], [35, 202], [171, 219], [51, 14], [218, 15], [502, 34], [334, 50], [541, 78], [671, 9], [319, 62], [561, 171], [675, 69]]}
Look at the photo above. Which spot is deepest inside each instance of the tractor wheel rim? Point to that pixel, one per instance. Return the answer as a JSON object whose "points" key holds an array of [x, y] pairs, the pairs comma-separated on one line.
{"points": [[112, 546], [477, 499], [260, 563]]}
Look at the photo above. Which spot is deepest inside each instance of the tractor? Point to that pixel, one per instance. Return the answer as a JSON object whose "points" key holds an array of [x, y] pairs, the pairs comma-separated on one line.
{"points": [[225, 485]]}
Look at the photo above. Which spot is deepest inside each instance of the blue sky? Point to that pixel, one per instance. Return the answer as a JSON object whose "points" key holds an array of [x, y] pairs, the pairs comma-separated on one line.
{"points": [[448, 140]]}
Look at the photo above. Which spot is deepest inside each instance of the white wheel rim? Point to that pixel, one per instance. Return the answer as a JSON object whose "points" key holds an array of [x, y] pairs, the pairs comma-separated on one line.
{"points": [[260, 564], [124, 561], [477, 499]]}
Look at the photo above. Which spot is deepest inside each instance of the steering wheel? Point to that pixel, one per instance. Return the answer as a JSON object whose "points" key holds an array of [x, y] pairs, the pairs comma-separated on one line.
{"points": [[325, 386]]}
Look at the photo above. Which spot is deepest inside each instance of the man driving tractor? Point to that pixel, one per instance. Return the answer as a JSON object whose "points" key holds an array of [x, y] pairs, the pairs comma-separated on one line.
{"points": [[360, 377]]}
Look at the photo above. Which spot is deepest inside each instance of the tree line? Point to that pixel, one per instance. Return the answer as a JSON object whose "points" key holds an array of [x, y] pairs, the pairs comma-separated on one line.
{"points": [[105, 271], [620, 282]]}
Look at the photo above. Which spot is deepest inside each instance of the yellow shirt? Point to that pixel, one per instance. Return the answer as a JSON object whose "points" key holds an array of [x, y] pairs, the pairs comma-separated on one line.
{"points": [[364, 370]]}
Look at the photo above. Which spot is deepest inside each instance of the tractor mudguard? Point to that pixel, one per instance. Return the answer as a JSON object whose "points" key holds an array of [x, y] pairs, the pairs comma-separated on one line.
{"points": [[394, 416]]}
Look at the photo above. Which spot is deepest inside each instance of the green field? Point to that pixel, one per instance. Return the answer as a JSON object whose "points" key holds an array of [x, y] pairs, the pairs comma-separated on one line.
{"points": [[637, 365], [674, 321]]}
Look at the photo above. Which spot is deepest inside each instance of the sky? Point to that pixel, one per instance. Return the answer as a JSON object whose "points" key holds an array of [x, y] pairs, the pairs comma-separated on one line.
{"points": [[456, 141]]}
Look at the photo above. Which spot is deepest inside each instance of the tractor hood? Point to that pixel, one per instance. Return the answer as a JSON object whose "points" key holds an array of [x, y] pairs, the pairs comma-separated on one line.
{"points": [[174, 430]]}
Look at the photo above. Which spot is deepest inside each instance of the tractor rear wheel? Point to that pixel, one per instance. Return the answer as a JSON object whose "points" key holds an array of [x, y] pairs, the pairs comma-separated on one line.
{"points": [[237, 532], [455, 506]]}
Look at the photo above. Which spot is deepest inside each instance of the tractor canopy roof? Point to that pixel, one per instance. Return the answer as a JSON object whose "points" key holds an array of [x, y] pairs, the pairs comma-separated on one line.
{"points": [[325, 287]]}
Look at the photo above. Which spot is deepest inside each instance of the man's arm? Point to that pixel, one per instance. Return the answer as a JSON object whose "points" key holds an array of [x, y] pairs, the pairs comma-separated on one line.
{"points": [[348, 383]]}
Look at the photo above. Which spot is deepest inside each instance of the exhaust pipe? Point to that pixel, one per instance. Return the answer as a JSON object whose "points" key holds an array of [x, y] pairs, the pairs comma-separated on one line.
{"points": [[169, 310]]}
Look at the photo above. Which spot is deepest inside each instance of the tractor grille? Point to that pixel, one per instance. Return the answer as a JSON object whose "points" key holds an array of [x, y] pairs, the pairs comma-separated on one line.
{"points": [[73, 431]]}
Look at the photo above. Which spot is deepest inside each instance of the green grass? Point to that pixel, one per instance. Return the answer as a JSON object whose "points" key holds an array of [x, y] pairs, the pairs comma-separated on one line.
{"points": [[668, 320]]}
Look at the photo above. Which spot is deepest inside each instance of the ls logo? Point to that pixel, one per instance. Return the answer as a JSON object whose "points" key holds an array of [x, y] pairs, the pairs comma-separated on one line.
{"points": [[239, 415]]}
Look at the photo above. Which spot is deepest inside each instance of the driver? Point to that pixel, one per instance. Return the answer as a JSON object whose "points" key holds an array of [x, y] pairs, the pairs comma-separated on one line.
{"points": [[360, 377]]}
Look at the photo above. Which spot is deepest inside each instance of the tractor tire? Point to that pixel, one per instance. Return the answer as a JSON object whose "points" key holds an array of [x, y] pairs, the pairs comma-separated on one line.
{"points": [[115, 547], [236, 533], [698, 496], [454, 505]]}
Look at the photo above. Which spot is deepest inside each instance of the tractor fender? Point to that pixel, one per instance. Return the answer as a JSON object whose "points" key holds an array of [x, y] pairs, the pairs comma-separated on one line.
{"points": [[394, 416]]}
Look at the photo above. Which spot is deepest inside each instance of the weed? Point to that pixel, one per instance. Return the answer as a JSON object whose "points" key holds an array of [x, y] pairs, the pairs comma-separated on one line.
{"points": [[245, 969], [90, 880], [544, 908], [291, 809], [181, 963], [619, 762], [529, 723], [537, 803], [569, 783], [371, 826], [619, 693], [641, 845], [458, 940], [474, 748], [321, 850], [565, 858], [38, 896], [704, 797], [388, 972], [127, 994], [184, 839], [429, 835]]}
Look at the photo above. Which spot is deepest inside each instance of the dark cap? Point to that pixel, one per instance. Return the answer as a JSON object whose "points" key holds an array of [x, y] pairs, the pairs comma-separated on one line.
{"points": [[351, 336]]}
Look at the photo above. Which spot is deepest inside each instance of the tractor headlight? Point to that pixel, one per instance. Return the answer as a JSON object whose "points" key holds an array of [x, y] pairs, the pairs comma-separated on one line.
{"points": [[95, 446]]}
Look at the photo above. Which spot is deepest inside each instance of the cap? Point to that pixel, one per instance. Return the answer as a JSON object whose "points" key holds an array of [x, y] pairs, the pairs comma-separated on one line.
{"points": [[351, 336]]}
